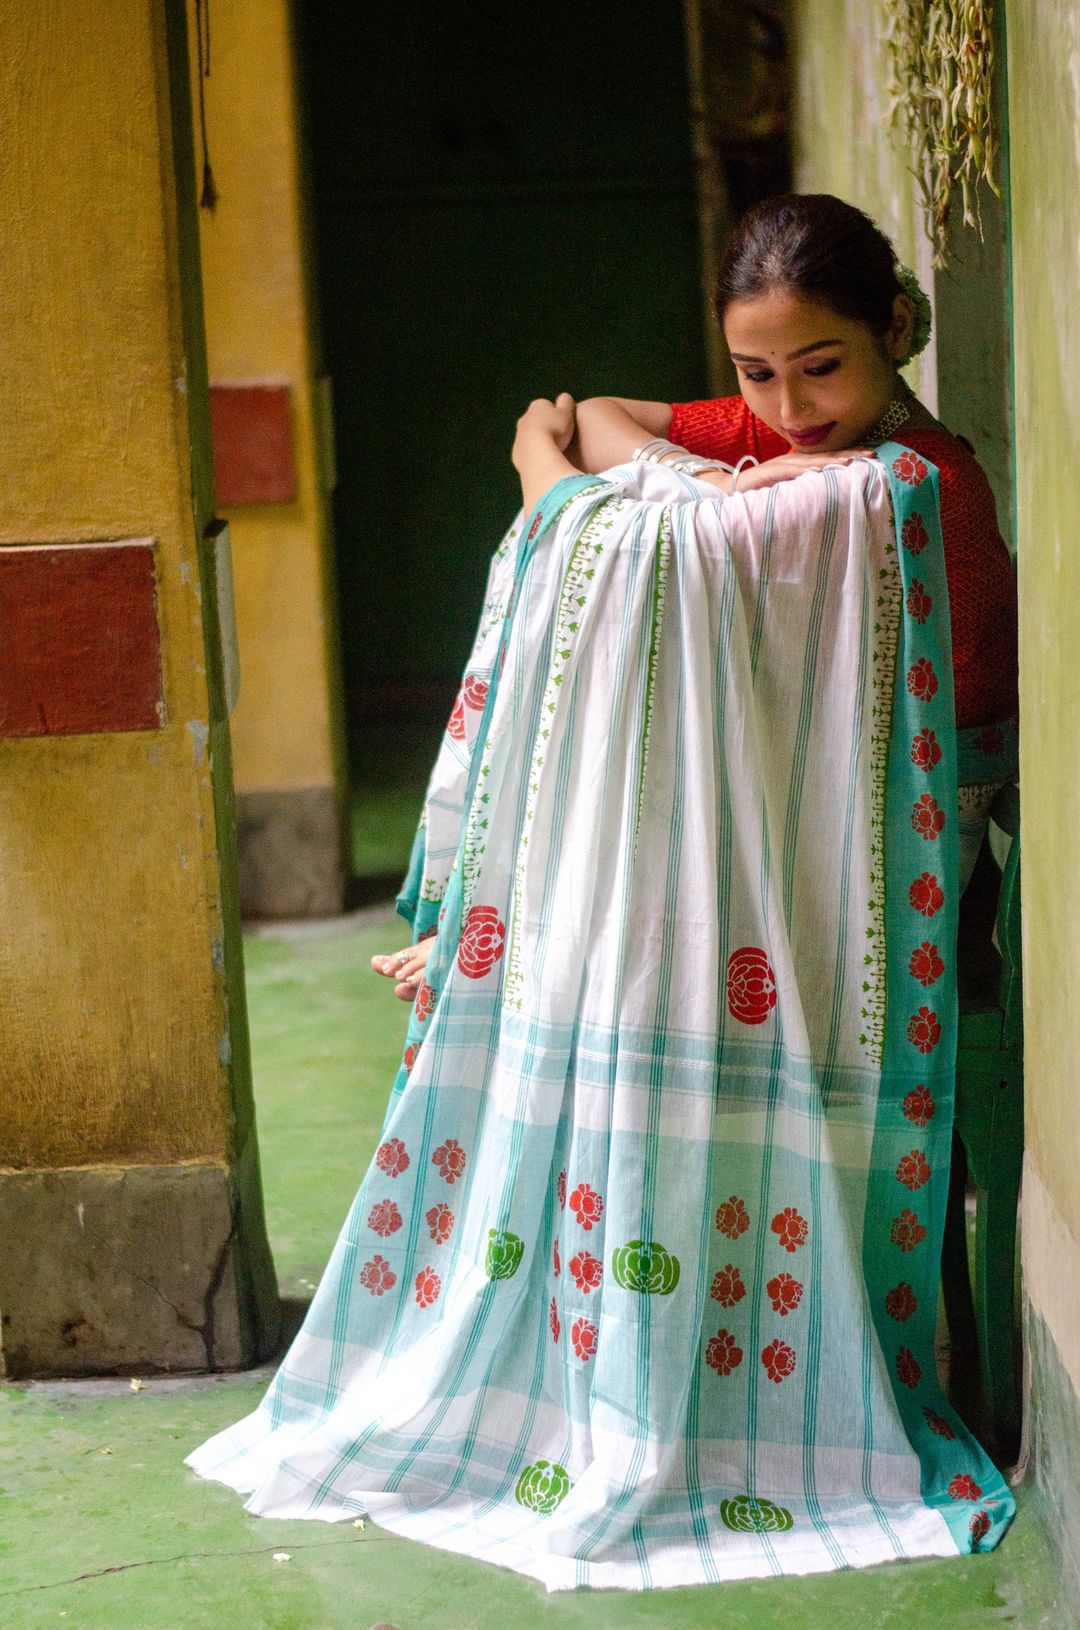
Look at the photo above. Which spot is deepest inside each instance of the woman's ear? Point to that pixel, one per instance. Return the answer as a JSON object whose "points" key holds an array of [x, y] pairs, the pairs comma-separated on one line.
{"points": [[899, 333]]}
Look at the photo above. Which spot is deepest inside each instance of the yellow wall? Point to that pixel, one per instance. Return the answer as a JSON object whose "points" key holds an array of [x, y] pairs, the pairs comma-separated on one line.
{"points": [[257, 291], [114, 1041], [1044, 97]]}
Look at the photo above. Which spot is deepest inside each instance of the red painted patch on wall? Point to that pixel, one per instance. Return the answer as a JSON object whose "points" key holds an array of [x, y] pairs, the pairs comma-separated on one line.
{"points": [[251, 428], [80, 649]]}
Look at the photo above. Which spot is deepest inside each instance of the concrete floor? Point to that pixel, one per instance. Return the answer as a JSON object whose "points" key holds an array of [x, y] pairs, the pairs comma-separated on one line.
{"points": [[101, 1525]]}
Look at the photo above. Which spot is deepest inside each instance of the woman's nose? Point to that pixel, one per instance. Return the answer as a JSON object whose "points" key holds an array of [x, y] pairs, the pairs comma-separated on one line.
{"points": [[793, 404]]}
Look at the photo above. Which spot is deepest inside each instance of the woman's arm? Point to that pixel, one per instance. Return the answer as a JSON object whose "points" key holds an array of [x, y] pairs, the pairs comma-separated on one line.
{"points": [[610, 428], [543, 431]]}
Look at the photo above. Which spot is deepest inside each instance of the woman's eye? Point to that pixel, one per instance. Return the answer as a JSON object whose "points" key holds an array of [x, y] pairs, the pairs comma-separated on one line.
{"points": [[759, 378], [824, 367]]}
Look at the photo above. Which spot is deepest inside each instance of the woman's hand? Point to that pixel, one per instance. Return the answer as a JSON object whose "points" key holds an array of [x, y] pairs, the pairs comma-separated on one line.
{"points": [[543, 430], [553, 421], [791, 465], [405, 967]]}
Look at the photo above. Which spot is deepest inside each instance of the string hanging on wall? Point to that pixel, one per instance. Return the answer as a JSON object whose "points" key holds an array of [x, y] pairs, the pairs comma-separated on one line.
{"points": [[209, 195]]}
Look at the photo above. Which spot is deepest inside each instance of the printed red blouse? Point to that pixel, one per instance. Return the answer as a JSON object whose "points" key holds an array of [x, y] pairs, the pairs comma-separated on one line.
{"points": [[982, 583]]}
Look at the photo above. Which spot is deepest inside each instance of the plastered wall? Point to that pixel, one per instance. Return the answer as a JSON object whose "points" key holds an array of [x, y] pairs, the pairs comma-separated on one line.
{"points": [[1044, 133], [115, 1038], [260, 326]]}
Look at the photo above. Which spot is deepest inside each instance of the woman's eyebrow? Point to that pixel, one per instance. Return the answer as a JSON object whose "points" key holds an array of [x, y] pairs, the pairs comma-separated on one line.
{"points": [[804, 350]]}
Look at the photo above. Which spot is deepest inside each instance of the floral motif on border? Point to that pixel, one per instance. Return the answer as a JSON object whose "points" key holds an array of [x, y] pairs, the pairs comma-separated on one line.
{"points": [[887, 609]]}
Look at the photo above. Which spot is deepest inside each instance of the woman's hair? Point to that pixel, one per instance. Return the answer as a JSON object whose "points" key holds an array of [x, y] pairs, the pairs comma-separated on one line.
{"points": [[817, 246]]}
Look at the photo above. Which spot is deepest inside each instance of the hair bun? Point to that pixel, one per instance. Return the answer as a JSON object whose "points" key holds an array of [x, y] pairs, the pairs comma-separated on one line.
{"points": [[920, 333]]}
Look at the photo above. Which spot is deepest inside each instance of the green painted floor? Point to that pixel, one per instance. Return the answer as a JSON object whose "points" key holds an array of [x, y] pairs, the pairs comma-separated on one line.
{"points": [[102, 1526]]}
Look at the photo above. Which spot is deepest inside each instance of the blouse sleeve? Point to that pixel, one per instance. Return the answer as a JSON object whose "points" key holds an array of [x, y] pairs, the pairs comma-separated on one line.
{"points": [[723, 428]]}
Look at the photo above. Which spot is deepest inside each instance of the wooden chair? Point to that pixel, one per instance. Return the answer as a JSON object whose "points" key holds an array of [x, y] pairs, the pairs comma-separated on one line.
{"points": [[989, 1127]]}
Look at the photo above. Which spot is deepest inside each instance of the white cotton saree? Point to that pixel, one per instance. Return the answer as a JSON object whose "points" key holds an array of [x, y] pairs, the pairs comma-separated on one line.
{"points": [[640, 1287]]}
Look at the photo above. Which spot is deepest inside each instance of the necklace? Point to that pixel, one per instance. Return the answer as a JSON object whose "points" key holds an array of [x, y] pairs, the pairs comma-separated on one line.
{"points": [[897, 413]]}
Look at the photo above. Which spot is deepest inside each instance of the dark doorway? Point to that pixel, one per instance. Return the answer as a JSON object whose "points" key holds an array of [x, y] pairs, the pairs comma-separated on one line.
{"points": [[504, 208]]}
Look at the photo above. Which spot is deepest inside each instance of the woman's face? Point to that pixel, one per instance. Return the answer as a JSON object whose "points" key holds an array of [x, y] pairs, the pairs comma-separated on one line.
{"points": [[820, 380]]}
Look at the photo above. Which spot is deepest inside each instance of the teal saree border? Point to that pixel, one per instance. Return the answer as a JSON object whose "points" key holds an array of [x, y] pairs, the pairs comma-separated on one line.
{"points": [[912, 1147]]}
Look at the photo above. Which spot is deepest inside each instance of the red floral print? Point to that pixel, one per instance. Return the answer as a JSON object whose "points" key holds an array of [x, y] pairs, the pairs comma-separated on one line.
{"points": [[908, 1368], [377, 1276], [926, 965], [392, 1157], [535, 527], [964, 1487], [900, 1303], [909, 467], [455, 725], [410, 1056], [728, 1287], [918, 602], [751, 985], [732, 1218], [583, 1335], [556, 1264], [560, 1190], [384, 1219], [922, 681], [502, 660], [440, 1221], [937, 1423], [424, 1006], [919, 1106], [926, 894], [779, 1361], [907, 1231], [722, 1354], [914, 535], [474, 692], [785, 1294], [482, 942], [979, 1527], [586, 1205], [925, 750], [991, 740], [450, 1159], [791, 1228], [428, 1286], [924, 1031], [914, 1170], [586, 1271], [928, 818], [556, 1327]]}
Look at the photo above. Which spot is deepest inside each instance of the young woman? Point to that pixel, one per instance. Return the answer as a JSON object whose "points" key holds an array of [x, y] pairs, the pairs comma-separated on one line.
{"points": [[640, 1286], [819, 319]]}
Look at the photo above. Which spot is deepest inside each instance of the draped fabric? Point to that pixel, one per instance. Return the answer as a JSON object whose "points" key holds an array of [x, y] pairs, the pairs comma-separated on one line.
{"points": [[640, 1287]]}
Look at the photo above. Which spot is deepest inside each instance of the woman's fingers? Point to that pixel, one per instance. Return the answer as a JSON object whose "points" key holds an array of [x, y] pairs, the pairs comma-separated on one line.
{"points": [[405, 967]]}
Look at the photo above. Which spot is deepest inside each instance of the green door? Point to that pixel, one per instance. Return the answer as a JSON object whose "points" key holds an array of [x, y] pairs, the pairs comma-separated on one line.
{"points": [[504, 208]]}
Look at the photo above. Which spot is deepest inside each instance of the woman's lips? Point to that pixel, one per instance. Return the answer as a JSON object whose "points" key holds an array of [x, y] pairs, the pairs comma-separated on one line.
{"points": [[811, 437]]}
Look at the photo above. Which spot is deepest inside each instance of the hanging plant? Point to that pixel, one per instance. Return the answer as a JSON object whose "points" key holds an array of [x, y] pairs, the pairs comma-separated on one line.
{"points": [[941, 61]]}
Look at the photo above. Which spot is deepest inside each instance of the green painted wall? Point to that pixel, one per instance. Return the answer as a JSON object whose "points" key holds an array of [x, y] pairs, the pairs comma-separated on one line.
{"points": [[1044, 104]]}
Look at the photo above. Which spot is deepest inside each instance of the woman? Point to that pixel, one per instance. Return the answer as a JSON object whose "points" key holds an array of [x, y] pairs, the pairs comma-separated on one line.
{"points": [[819, 319], [640, 1286]]}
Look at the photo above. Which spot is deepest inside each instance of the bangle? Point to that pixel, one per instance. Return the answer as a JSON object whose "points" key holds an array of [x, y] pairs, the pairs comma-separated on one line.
{"points": [[747, 459], [656, 449]]}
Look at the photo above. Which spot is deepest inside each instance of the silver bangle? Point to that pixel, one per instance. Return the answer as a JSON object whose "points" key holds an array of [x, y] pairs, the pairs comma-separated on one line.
{"points": [[656, 449], [692, 465], [747, 459]]}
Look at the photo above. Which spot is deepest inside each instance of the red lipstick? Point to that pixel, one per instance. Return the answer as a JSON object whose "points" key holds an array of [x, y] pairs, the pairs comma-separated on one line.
{"points": [[812, 435]]}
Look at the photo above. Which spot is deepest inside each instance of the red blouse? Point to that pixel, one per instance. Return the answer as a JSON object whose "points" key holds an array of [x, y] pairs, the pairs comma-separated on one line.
{"points": [[982, 583]]}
